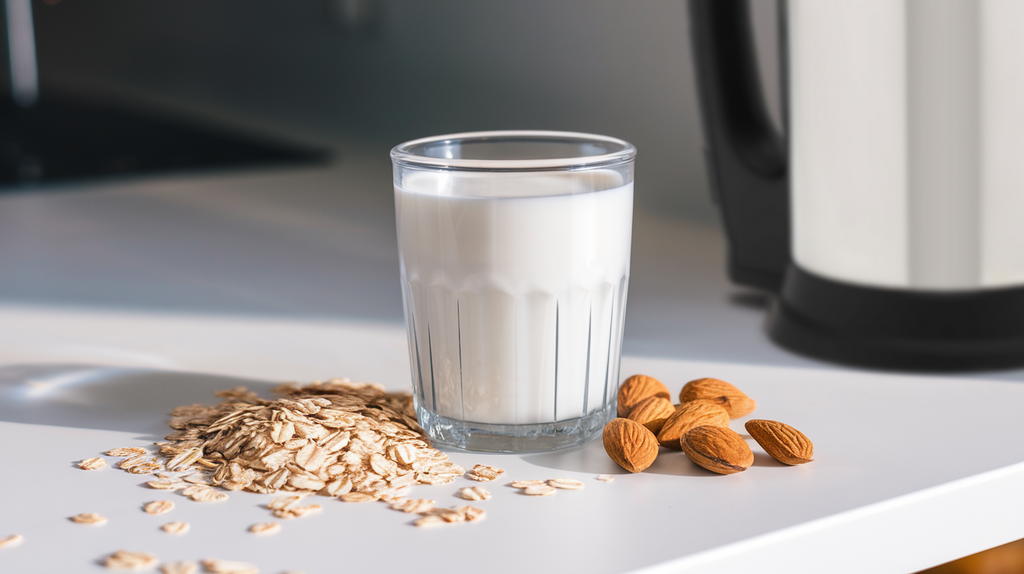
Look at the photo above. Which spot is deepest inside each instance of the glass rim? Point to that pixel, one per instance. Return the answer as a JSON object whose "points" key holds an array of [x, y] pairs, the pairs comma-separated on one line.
{"points": [[401, 154]]}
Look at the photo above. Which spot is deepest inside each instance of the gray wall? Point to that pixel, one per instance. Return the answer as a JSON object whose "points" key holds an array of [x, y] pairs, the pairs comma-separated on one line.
{"points": [[418, 68]]}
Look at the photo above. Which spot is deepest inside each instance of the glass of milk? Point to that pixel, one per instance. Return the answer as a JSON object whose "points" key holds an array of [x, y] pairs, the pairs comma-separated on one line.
{"points": [[514, 250]]}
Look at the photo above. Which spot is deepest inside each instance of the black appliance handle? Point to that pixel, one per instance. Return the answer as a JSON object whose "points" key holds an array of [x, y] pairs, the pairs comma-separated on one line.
{"points": [[746, 156]]}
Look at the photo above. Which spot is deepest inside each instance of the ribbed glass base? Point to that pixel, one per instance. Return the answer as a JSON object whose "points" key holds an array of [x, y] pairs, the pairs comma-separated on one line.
{"points": [[483, 437]]}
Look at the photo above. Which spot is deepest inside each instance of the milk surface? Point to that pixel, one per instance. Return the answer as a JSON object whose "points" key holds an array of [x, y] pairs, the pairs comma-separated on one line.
{"points": [[514, 288]]}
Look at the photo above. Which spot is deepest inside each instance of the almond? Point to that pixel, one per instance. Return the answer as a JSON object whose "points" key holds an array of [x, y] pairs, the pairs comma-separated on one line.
{"points": [[637, 388], [690, 415], [630, 444], [734, 400], [783, 442], [652, 412], [717, 449]]}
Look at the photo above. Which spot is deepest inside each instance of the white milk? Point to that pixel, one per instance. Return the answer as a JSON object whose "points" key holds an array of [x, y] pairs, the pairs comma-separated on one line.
{"points": [[515, 289]]}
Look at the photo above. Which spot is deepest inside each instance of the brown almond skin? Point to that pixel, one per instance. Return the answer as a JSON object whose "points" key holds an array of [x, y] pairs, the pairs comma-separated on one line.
{"points": [[656, 425], [637, 388], [783, 442], [718, 449], [690, 415], [630, 444], [652, 412], [734, 400]]}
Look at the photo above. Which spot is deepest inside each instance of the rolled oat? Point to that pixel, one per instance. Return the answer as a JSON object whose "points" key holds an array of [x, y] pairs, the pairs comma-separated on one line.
{"points": [[179, 568], [484, 473], [208, 495], [215, 566], [89, 518], [429, 520], [357, 497], [127, 560], [474, 493], [265, 528], [565, 483], [158, 507], [297, 511], [166, 484], [472, 513], [92, 463], [128, 451], [176, 528], [526, 483], [539, 490], [413, 505]]}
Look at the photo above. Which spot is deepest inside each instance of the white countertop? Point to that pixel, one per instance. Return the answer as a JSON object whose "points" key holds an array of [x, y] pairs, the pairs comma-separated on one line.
{"points": [[121, 300]]}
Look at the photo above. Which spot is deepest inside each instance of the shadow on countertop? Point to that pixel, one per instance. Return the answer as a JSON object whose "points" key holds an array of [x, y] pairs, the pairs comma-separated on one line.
{"points": [[107, 398]]}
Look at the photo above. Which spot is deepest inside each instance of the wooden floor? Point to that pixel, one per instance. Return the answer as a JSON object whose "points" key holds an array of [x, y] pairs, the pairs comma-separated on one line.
{"points": [[1006, 559]]}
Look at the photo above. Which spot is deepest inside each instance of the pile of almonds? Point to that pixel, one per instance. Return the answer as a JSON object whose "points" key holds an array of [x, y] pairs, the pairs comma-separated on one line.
{"points": [[698, 426]]}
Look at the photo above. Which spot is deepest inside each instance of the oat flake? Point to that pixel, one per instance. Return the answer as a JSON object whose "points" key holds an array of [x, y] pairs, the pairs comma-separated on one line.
{"points": [[447, 514], [208, 495], [472, 513], [539, 490], [484, 473], [413, 505], [474, 493], [89, 518], [283, 502], [179, 568], [176, 528], [127, 560], [357, 497], [265, 528], [92, 463], [297, 511], [128, 451], [565, 483], [158, 507], [429, 521], [215, 566], [526, 483], [165, 484]]}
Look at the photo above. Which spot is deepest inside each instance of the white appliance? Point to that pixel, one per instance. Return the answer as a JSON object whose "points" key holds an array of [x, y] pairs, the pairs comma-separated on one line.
{"points": [[888, 219]]}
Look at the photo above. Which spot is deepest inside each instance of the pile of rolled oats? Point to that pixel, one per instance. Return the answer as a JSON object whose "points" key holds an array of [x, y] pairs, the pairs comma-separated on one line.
{"points": [[333, 438], [352, 441]]}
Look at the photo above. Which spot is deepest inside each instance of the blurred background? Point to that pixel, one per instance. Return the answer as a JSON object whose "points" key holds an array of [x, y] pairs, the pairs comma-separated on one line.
{"points": [[384, 71], [159, 82]]}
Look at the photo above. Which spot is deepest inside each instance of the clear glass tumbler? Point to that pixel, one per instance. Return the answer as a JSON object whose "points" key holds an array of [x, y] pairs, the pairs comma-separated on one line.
{"points": [[514, 250]]}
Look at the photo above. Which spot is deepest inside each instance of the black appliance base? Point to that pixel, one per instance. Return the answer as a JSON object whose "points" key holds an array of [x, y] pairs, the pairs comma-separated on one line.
{"points": [[898, 329]]}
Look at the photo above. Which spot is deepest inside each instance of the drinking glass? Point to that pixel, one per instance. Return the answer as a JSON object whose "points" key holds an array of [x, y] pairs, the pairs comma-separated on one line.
{"points": [[514, 249]]}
